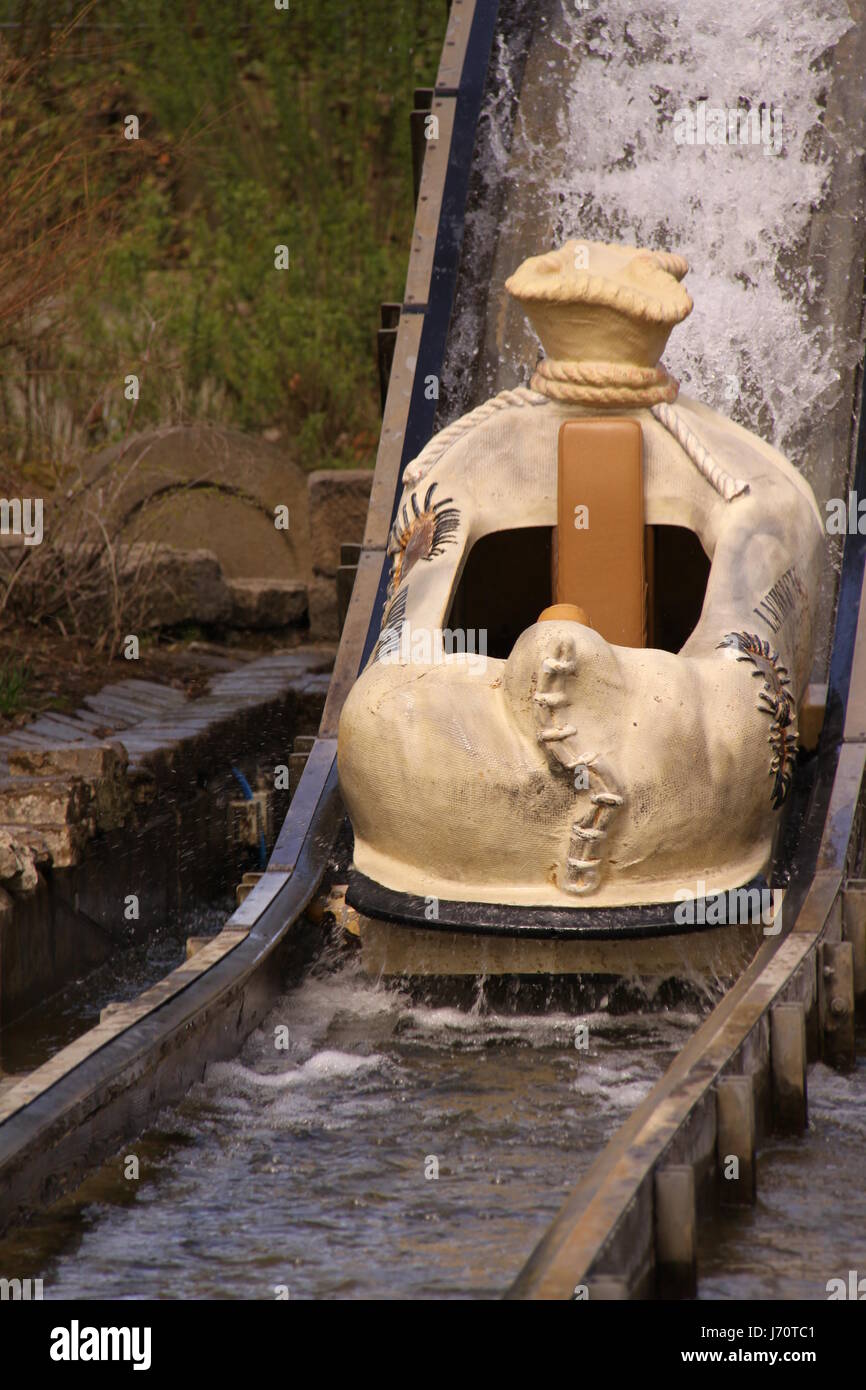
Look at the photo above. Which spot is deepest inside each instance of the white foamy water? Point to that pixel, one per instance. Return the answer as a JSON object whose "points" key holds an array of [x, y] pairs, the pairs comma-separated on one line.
{"points": [[324, 1066], [757, 346], [310, 1164]]}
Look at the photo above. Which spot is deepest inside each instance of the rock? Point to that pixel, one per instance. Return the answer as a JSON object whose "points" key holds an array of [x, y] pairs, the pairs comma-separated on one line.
{"points": [[189, 586], [101, 768], [267, 603], [338, 502], [322, 604], [90, 761], [183, 586], [142, 786], [60, 845], [28, 801], [112, 803], [160, 585], [178, 484], [9, 865], [18, 863], [50, 818], [130, 534]]}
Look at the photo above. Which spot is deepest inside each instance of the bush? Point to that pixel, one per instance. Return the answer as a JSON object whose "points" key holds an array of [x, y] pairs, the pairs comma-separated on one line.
{"points": [[257, 128]]}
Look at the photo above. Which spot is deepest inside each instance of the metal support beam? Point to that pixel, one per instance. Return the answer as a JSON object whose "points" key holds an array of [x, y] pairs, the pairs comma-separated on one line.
{"points": [[836, 985], [676, 1231], [735, 1140], [788, 1061], [386, 341], [417, 131], [350, 555], [854, 931]]}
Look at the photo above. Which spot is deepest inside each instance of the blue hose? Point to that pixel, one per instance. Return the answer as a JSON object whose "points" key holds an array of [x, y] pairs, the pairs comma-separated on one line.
{"points": [[248, 796]]}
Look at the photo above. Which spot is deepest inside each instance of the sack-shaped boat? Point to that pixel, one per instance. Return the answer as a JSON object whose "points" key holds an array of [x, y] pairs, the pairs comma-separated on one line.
{"points": [[582, 707]]}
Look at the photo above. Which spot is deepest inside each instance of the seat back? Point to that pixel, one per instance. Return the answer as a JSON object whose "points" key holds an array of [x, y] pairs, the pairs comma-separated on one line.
{"points": [[599, 559]]}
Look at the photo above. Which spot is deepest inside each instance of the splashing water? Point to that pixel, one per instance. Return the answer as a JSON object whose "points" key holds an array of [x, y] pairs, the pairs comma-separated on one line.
{"points": [[603, 161], [384, 1149], [735, 211]]}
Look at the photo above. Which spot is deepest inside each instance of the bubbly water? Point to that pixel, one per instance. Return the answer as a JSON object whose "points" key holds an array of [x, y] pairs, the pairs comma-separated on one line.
{"points": [[738, 213], [595, 156], [313, 1167], [309, 1168]]}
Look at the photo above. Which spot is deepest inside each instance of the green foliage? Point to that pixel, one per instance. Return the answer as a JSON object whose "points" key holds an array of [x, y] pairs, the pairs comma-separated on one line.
{"points": [[258, 127], [14, 681]]}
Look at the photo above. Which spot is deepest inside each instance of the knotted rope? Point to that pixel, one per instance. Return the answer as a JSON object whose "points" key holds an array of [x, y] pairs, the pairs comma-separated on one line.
{"points": [[604, 383], [726, 485]]}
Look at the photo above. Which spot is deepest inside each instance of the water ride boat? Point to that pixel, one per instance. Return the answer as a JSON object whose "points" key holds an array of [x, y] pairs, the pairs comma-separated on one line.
{"points": [[579, 726]]}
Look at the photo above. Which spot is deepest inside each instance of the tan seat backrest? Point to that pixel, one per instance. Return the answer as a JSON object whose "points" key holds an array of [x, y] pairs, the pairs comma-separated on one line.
{"points": [[598, 551]]}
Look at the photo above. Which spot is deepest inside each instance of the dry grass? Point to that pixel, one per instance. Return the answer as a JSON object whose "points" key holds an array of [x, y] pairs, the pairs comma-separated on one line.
{"points": [[59, 215]]}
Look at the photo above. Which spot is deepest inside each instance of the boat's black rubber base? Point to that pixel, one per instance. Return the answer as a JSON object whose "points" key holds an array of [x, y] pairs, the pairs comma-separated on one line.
{"points": [[579, 923]]}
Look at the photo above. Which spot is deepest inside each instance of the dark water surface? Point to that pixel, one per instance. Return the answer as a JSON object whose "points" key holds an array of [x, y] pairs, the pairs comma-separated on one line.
{"points": [[809, 1223], [310, 1166], [37, 1035]]}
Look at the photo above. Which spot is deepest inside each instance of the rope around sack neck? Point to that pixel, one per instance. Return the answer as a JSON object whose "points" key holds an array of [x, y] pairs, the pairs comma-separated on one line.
{"points": [[724, 483], [603, 383], [437, 446], [608, 383]]}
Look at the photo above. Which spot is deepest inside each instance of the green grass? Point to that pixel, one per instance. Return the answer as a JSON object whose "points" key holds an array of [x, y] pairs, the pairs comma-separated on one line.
{"points": [[258, 128], [14, 682]]}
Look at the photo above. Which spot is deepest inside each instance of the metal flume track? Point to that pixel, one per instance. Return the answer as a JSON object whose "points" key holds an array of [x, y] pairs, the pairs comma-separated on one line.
{"points": [[609, 1240], [70, 1114]]}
